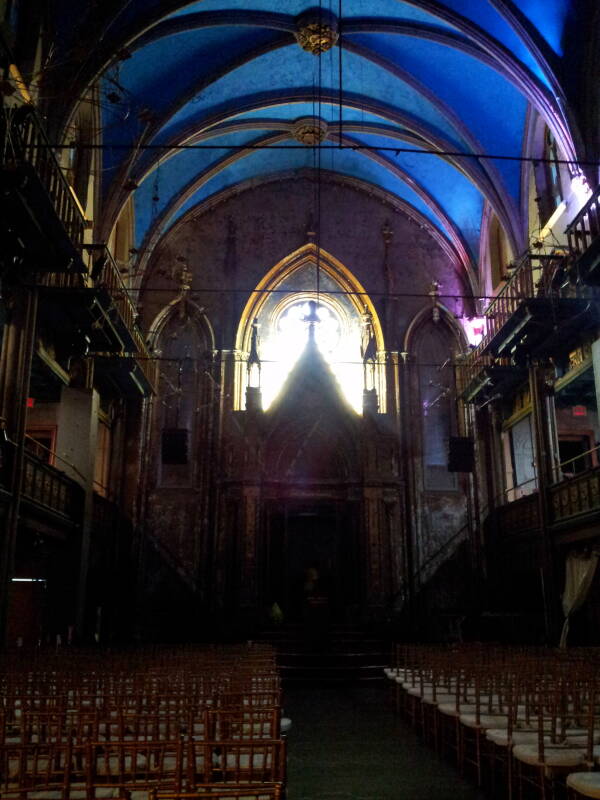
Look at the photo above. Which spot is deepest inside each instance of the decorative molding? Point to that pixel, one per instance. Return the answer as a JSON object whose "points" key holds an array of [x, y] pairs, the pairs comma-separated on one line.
{"points": [[310, 131]]}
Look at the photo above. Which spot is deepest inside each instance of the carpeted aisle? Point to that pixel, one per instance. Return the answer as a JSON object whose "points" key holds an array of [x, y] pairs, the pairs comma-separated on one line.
{"points": [[347, 744]]}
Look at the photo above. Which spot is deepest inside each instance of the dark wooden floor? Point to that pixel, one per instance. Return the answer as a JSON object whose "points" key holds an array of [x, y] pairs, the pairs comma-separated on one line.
{"points": [[347, 744]]}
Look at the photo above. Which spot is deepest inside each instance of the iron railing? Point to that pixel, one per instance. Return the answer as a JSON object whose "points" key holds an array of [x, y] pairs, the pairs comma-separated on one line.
{"points": [[53, 490], [27, 144], [534, 276], [584, 229], [105, 275], [470, 368], [575, 496]]}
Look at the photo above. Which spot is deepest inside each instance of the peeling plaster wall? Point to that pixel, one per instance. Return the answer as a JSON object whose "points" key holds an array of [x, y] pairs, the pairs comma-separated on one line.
{"points": [[231, 247]]}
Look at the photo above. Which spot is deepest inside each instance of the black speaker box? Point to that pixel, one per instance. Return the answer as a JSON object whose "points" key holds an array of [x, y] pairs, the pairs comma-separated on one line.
{"points": [[461, 456], [174, 446]]}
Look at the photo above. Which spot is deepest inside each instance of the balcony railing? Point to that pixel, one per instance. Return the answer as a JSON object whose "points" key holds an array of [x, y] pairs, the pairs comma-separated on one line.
{"points": [[573, 501], [105, 275], [471, 368], [111, 315], [146, 363], [51, 489], [28, 145], [584, 230], [518, 517], [537, 277], [575, 496]]}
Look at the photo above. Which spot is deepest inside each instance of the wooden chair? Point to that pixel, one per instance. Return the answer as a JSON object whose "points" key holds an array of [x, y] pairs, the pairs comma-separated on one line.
{"points": [[252, 722], [541, 765], [136, 766], [247, 761], [216, 792]]}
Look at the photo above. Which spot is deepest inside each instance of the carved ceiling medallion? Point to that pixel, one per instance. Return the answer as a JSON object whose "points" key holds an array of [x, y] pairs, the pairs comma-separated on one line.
{"points": [[317, 31], [310, 131]]}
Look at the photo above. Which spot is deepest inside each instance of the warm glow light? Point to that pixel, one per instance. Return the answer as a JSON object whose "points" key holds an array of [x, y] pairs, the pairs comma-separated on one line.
{"points": [[556, 215], [337, 337], [580, 188], [474, 328]]}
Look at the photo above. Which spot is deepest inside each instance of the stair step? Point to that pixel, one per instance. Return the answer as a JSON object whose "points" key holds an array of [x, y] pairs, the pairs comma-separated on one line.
{"points": [[329, 655]]}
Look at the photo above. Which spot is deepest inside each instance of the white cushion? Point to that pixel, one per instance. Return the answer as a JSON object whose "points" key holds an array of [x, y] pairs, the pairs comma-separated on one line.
{"points": [[554, 755], [586, 783]]}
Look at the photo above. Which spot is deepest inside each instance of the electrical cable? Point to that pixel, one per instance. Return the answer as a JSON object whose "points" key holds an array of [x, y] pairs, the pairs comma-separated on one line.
{"points": [[355, 147]]}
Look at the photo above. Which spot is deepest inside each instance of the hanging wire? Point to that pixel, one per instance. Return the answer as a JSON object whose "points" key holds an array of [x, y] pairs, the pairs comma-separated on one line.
{"points": [[318, 154], [340, 73]]}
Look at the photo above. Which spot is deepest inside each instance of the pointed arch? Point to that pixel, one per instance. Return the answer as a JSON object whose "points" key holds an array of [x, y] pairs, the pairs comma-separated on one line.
{"points": [[423, 316], [183, 339], [277, 304], [308, 254], [179, 305]]}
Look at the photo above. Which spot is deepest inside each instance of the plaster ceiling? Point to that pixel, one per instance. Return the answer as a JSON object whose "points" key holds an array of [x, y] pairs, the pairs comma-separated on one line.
{"points": [[441, 80]]}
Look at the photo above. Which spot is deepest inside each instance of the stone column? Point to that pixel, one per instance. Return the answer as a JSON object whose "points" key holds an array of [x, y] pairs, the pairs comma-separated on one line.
{"points": [[248, 548], [405, 424], [15, 373], [372, 524], [392, 385], [77, 431], [544, 462]]}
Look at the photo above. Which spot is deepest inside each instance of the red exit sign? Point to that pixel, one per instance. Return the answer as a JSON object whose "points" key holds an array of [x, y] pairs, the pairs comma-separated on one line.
{"points": [[579, 411]]}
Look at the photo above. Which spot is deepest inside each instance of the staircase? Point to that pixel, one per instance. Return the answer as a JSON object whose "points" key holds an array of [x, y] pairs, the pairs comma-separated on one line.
{"points": [[335, 656]]}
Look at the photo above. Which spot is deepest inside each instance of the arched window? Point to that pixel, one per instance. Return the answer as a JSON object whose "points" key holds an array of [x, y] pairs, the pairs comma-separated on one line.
{"points": [[548, 179], [281, 309], [499, 252], [78, 155]]}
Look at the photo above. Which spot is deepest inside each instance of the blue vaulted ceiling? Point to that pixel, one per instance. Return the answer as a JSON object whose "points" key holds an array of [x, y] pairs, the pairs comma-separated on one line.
{"points": [[197, 99]]}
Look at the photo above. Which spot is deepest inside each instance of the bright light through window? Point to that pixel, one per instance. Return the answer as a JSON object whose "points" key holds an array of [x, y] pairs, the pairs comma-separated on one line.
{"points": [[337, 337], [293, 327]]}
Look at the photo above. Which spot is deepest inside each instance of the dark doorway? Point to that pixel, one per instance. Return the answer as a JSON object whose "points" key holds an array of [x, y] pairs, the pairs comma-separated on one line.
{"points": [[313, 558], [574, 455]]}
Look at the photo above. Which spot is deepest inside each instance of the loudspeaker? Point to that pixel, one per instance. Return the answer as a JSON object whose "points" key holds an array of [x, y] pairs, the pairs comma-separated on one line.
{"points": [[174, 448], [461, 456]]}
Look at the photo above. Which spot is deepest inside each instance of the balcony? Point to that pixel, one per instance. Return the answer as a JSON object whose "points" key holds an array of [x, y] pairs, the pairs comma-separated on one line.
{"points": [[102, 316], [484, 377], [576, 498], [49, 492], [573, 510], [42, 222], [540, 312], [583, 235]]}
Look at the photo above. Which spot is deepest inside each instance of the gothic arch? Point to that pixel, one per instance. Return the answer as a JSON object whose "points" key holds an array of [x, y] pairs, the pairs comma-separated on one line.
{"points": [[182, 338], [422, 317], [307, 275], [307, 254], [184, 308]]}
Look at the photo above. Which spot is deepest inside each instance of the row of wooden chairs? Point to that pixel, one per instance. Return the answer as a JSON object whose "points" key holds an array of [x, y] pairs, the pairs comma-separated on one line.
{"points": [[520, 719], [206, 721], [237, 722], [96, 767]]}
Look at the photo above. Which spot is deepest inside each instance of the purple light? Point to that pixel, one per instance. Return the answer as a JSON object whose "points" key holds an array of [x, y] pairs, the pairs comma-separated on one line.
{"points": [[580, 188], [474, 328]]}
